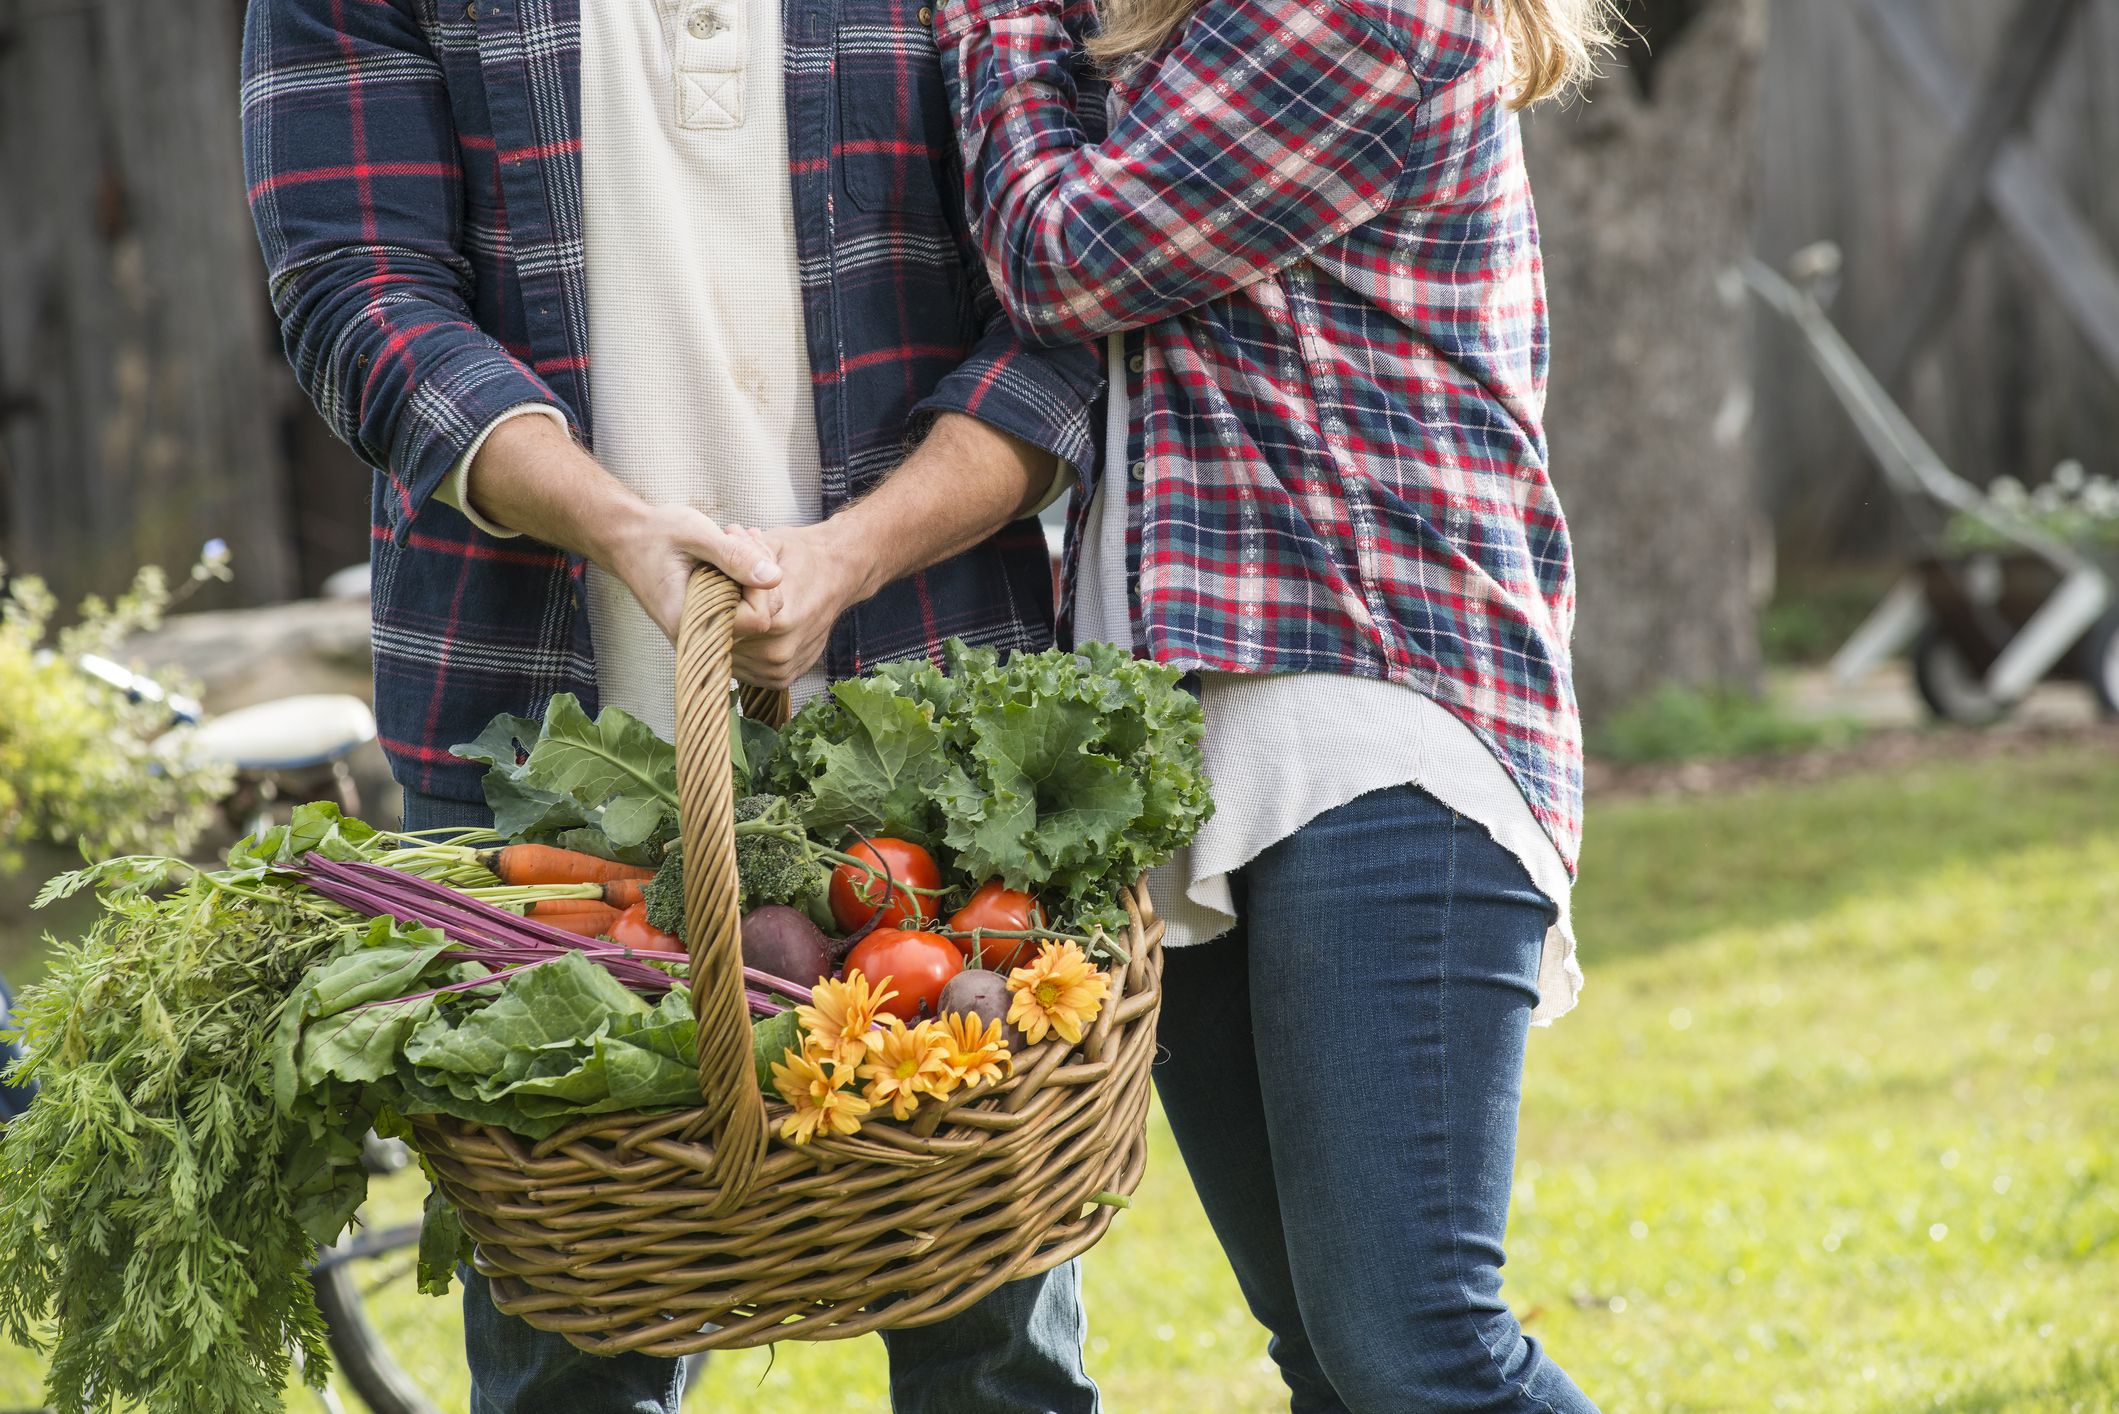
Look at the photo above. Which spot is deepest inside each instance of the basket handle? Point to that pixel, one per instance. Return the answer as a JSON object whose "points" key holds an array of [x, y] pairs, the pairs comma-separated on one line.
{"points": [[728, 1077]]}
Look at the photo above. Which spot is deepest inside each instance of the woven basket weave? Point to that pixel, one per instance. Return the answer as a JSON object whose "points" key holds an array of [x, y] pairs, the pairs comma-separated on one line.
{"points": [[699, 1229]]}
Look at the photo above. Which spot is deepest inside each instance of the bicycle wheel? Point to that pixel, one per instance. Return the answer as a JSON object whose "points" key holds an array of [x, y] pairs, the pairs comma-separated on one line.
{"points": [[371, 1271], [371, 1263]]}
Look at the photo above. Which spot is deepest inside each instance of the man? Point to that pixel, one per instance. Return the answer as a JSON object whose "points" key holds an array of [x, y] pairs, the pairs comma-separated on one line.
{"points": [[723, 246]]}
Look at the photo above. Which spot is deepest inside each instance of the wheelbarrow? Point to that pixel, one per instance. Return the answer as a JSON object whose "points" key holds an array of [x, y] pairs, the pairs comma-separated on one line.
{"points": [[1982, 627]]}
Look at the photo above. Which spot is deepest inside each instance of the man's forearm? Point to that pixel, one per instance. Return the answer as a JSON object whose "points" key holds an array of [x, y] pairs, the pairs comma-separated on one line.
{"points": [[531, 478], [963, 482]]}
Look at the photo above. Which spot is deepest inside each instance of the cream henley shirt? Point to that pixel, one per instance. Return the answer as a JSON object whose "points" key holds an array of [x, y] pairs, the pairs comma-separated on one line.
{"points": [[695, 301]]}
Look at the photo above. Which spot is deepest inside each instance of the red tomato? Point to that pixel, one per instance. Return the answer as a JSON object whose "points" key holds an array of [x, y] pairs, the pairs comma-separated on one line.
{"points": [[1011, 911], [856, 893], [917, 965], [632, 930]]}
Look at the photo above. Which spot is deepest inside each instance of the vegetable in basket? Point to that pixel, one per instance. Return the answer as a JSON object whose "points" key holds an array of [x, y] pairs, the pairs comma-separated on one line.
{"points": [[215, 1048], [917, 964]]}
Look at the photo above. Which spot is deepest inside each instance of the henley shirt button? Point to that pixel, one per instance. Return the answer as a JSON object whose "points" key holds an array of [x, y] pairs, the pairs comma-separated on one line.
{"points": [[1140, 471]]}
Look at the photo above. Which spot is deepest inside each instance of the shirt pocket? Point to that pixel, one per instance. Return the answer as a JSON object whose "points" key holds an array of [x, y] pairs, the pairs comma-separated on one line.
{"points": [[895, 135]]}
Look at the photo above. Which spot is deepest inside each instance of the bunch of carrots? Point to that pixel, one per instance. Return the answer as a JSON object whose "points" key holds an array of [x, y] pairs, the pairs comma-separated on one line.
{"points": [[607, 901]]}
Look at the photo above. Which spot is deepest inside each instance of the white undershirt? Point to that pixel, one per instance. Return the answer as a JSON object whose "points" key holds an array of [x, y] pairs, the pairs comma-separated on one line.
{"points": [[694, 297], [1282, 750]]}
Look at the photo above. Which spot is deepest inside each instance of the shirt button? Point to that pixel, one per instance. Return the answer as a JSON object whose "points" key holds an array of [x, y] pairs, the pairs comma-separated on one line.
{"points": [[1136, 363], [705, 24], [1140, 471], [471, 10], [926, 14]]}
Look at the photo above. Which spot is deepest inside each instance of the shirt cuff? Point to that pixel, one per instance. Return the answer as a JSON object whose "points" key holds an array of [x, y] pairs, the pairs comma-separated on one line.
{"points": [[954, 18], [1062, 482], [1039, 396], [455, 489]]}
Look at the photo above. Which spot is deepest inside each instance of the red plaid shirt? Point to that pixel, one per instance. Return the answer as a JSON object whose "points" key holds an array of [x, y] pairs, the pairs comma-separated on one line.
{"points": [[415, 177], [1314, 225]]}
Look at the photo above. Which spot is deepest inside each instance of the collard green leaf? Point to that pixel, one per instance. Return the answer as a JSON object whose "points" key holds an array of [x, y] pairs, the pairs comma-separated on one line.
{"points": [[614, 762], [607, 786], [751, 746], [771, 1038], [522, 811], [443, 1243]]}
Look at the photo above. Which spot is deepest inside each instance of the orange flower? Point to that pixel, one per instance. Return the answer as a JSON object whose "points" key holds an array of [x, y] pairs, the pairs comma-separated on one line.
{"points": [[817, 1090], [977, 1053], [1061, 991], [906, 1063], [835, 1024]]}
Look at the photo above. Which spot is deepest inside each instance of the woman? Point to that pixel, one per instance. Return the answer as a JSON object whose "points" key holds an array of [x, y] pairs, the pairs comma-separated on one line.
{"points": [[1304, 230]]}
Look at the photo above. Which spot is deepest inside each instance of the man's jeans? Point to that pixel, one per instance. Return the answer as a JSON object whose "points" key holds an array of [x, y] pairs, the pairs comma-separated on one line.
{"points": [[1017, 1352], [1341, 1072]]}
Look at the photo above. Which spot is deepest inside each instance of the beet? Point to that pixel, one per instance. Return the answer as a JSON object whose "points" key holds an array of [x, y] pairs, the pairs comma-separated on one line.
{"points": [[985, 995], [782, 941]]}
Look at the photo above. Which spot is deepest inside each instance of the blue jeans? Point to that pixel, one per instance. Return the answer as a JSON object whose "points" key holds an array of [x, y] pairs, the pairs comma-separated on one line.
{"points": [[1342, 1073], [1019, 1351]]}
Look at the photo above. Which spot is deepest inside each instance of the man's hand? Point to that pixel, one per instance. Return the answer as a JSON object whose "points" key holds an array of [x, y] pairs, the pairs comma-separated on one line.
{"points": [[962, 483], [531, 478], [656, 555], [824, 572]]}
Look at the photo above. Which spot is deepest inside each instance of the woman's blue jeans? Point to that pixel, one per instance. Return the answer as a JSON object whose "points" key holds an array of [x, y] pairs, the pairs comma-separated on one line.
{"points": [[1019, 1351], [1342, 1073]]}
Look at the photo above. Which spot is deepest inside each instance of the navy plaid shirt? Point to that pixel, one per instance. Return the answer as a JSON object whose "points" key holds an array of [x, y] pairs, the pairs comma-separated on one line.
{"points": [[415, 176]]}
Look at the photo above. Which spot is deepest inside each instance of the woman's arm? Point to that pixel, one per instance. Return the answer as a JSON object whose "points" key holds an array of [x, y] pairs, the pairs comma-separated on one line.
{"points": [[1273, 127]]}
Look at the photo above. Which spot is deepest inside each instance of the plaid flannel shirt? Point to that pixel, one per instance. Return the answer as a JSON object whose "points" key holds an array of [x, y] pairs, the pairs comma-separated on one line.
{"points": [[1313, 223], [415, 176]]}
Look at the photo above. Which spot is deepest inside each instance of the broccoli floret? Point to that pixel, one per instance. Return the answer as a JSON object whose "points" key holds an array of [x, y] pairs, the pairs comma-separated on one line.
{"points": [[769, 868], [664, 894]]}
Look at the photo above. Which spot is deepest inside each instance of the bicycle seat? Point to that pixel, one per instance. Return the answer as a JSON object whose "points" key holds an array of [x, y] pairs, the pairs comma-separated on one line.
{"points": [[291, 734]]}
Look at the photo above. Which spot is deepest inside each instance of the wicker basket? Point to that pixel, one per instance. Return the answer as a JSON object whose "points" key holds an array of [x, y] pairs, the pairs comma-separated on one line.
{"points": [[700, 1229]]}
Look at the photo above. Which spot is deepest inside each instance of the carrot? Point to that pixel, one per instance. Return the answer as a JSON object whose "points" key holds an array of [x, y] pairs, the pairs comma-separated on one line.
{"points": [[563, 907], [589, 920], [548, 864], [622, 893]]}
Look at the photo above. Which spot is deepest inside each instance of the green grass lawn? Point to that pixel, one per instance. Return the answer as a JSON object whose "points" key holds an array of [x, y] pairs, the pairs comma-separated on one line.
{"points": [[1834, 1129]]}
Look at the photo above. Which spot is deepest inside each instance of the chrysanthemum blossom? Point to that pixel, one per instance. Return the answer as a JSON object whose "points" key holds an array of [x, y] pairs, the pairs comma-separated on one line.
{"points": [[905, 1063], [817, 1089], [837, 1025], [1062, 991]]}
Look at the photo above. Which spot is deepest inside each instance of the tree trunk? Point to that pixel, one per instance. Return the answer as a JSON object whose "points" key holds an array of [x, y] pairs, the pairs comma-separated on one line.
{"points": [[1643, 204], [140, 406]]}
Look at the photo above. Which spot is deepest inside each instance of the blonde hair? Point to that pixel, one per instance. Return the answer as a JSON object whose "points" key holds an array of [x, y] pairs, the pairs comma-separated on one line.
{"points": [[1552, 44]]}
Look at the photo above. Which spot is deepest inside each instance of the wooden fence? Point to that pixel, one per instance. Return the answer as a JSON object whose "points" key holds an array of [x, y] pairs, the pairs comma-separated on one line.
{"points": [[1859, 147], [144, 407]]}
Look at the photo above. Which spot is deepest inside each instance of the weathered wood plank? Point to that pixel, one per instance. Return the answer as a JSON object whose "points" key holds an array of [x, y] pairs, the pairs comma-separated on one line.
{"points": [[2016, 80], [1850, 151], [2074, 260], [134, 341]]}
